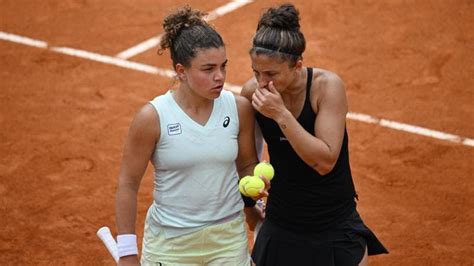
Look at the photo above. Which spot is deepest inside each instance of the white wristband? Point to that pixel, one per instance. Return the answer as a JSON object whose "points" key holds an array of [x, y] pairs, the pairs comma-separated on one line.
{"points": [[127, 245]]}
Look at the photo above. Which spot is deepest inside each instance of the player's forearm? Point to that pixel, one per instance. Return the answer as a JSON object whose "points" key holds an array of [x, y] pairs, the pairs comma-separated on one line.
{"points": [[247, 168], [126, 209], [312, 150]]}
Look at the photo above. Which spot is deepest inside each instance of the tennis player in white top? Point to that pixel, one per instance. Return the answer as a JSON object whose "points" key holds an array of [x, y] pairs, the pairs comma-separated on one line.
{"points": [[200, 139]]}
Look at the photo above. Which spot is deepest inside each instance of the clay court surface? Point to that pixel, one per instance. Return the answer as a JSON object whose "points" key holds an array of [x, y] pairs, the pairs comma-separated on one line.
{"points": [[63, 118]]}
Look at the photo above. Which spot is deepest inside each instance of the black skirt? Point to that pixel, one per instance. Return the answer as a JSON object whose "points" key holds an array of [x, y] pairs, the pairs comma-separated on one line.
{"points": [[344, 245]]}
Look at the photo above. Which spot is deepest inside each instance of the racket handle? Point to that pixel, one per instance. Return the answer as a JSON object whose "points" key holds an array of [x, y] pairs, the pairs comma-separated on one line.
{"points": [[106, 236]]}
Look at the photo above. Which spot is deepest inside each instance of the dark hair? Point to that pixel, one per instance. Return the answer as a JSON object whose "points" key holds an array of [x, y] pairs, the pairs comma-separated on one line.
{"points": [[185, 32], [278, 34]]}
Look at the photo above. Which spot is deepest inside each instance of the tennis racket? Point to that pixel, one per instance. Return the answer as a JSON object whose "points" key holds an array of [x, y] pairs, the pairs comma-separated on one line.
{"points": [[106, 236]]}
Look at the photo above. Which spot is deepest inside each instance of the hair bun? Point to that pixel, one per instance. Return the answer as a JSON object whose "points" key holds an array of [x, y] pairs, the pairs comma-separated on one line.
{"points": [[184, 18], [284, 17]]}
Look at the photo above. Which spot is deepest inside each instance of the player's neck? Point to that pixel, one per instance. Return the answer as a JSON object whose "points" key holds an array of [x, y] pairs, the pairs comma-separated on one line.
{"points": [[188, 100]]}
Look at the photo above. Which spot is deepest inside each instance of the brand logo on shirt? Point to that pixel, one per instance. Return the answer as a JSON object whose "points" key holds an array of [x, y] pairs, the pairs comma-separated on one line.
{"points": [[174, 129], [283, 139], [226, 121]]}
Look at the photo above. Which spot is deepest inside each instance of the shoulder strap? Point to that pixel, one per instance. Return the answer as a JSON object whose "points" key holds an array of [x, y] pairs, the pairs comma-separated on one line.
{"points": [[309, 82]]}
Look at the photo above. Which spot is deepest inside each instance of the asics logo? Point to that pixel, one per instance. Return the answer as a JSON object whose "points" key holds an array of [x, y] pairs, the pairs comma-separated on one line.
{"points": [[226, 121]]}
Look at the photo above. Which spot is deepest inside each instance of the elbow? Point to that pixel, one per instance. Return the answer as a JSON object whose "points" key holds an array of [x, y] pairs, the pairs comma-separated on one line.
{"points": [[127, 184], [324, 168]]}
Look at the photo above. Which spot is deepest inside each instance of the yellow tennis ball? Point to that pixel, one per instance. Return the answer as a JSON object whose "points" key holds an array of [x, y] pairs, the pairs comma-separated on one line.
{"points": [[244, 180], [253, 186], [264, 169]]}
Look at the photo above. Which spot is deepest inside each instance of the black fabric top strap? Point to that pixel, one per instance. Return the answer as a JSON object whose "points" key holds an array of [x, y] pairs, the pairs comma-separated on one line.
{"points": [[309, 82]]}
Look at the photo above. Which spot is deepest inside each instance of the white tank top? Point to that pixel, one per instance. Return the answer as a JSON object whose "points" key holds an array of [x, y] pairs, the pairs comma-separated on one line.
{"points": [[196, 182]]}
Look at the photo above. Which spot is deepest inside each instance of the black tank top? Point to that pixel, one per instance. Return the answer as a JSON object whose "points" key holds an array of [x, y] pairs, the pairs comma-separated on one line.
{"points": [[300, 198]]}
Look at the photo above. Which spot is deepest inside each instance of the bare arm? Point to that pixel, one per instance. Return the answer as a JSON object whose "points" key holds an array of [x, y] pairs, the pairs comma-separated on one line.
{"points": [[247, 156], [248, 136], [252, 214], [322, 150], [143, 134], [247, 92], [139, 145]]}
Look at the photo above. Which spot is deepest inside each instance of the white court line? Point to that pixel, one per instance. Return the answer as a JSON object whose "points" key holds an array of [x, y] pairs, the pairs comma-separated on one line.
{"points": [[127, 64], [229, 7], [234, 88], [154, 41], [410, 128], [22, 40], [100, 58], [113, 61], [140, 48]]}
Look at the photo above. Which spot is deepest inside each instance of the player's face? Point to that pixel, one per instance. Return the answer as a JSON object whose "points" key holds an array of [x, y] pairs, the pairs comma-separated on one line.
{"points": [[207, 72], [268, 69]]}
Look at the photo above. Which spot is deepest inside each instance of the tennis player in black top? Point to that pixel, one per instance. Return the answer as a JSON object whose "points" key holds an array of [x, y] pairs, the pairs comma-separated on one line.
{"points": [[310, 217]]}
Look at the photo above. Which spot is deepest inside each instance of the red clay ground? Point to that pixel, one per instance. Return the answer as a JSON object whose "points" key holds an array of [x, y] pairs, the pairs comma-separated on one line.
{"points": [[63, 119]]}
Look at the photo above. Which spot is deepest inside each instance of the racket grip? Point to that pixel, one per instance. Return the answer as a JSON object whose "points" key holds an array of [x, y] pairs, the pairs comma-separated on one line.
{"points": [[106, 236]]}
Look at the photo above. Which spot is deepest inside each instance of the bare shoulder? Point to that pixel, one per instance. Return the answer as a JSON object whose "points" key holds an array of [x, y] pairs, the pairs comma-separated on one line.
{"points": [[147, 113], [245, 112], [249, 88], [146, 121], [327, 80], [243, 104], [328, 89]]}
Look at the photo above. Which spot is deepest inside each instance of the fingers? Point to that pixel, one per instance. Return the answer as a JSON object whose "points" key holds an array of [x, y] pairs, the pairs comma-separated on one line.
{"points": [[271, 87], [263, 192], [256, 100], [261, 93], [259, 97], [266, 181]]}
